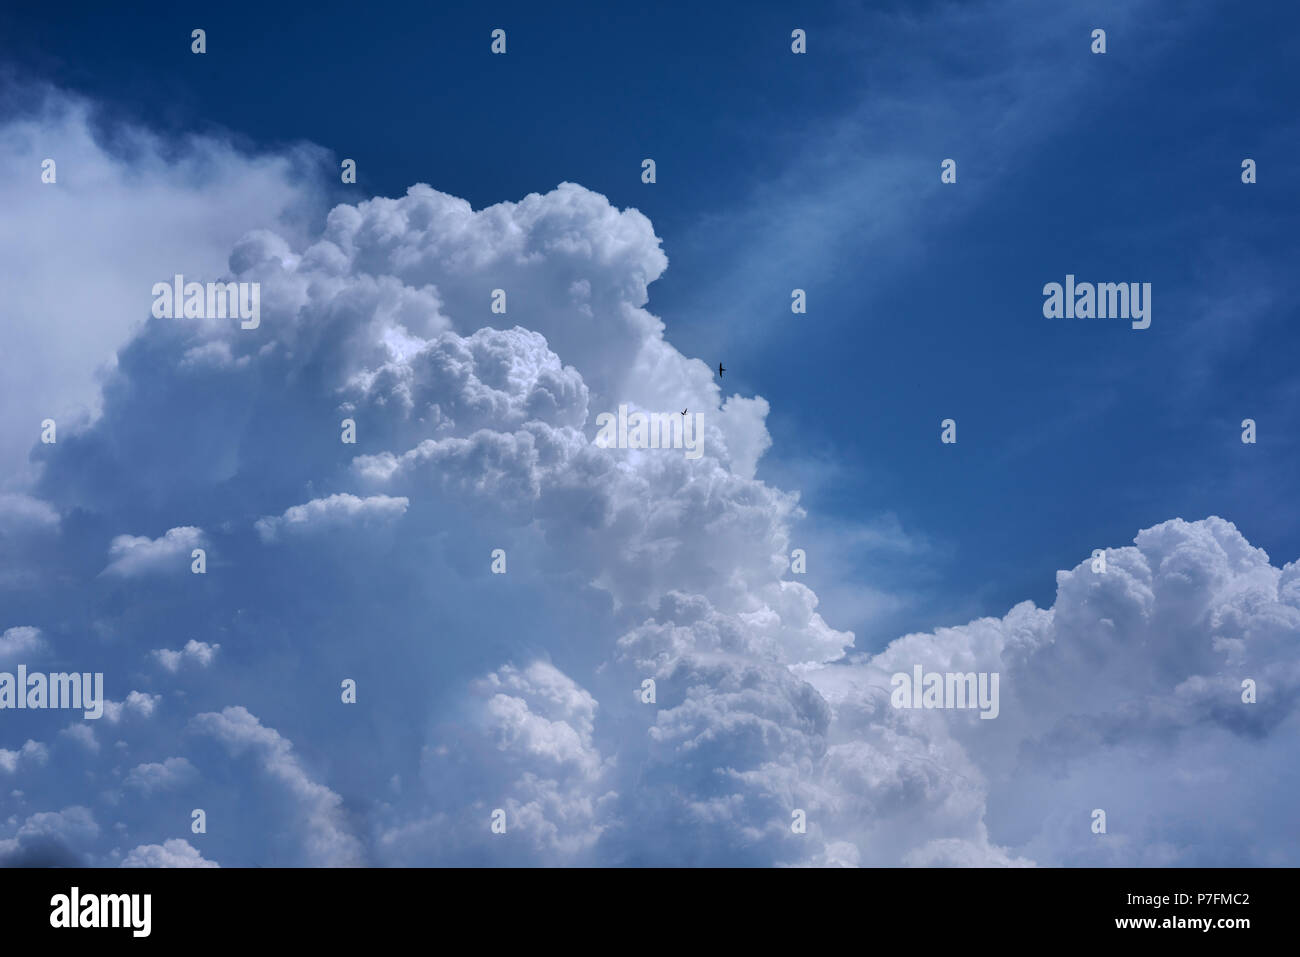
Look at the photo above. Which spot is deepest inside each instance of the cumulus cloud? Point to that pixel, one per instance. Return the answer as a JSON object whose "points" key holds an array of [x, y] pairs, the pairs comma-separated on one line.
{"points": [[20, 643], [198, 652], [172, 853], [528, 746], [32, 752], [137, 702], [51, 839], [1139, 667], [172, 773], [526, 692], [83, 734], [132, 555], [331, 514], [326, 839], [215, 355], [130, 208]]}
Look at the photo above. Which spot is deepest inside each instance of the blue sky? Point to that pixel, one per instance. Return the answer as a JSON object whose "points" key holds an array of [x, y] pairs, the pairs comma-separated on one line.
{"points": [[774, 171]]}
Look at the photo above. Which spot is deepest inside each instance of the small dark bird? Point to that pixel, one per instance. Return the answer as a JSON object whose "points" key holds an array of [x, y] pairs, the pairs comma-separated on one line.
{"points": [[683, 411], [720, 370]]}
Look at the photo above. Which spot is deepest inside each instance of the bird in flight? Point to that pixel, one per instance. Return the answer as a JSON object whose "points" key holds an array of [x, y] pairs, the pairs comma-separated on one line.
{"points": [[720, 370], [683, 411]]}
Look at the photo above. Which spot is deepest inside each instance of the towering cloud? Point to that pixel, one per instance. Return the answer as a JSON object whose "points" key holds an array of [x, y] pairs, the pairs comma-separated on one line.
{"points": [[368, 565]]}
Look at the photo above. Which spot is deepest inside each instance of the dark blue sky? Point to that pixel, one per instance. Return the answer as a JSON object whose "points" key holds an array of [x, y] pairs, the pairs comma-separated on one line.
{"points": [[822, 172]]}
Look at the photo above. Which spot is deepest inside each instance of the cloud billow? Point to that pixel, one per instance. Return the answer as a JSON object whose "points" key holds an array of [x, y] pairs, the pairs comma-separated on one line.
{"points": [[370, 561]]}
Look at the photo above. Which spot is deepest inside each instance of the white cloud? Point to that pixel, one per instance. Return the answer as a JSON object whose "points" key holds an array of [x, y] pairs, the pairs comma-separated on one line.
{"points": [[326, 839], [32, 752], [127, 211], [171, 773], [1127, 671], [137, 702], [171, 853], [215, 355], [74, 822], [132, 555], [51, 839], [83, 734], [20, 643], [199, 652], [333, 513], [528, 742]]}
